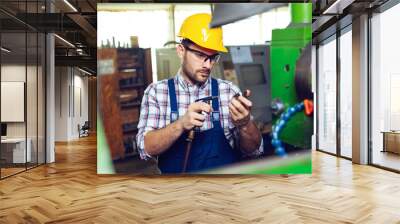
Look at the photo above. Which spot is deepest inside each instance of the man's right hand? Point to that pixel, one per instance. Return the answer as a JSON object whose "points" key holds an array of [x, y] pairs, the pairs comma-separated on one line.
{"points": [[193, 116]]}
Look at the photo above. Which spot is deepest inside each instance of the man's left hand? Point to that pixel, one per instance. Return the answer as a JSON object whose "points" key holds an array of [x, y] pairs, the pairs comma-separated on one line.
{"points": [[239, 109]]}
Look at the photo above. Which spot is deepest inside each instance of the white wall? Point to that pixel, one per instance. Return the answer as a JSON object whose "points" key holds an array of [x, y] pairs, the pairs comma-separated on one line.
{"points": [[61, 103], [33, 126], [13, 73], [80, 94], [71, 92]]}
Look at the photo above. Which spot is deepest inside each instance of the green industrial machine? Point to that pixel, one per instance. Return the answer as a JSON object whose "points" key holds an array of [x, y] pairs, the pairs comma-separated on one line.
{"points": [[287, 46], [290, 87], [290, 66]]}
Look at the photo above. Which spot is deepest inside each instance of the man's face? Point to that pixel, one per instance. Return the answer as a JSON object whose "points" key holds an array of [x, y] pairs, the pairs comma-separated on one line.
{"points": [[197, 62]]}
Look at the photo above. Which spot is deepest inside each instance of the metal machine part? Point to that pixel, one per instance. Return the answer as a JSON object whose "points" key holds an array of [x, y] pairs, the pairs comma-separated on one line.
{"points": [[277, 106], [303, 74], [225, 13], [248, 67], [287, 46]]}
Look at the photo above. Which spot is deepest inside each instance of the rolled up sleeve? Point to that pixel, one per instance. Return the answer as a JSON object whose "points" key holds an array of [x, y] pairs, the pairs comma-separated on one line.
{"points": [[149, 119], [256, 153], [234, 90]]}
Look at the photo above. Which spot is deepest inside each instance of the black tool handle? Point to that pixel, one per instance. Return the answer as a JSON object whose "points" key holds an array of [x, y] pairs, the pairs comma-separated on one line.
{"points": [[191, 134]]}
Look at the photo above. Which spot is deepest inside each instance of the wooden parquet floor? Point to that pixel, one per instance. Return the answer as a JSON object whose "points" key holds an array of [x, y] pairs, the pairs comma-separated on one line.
{"points": [[70, 191]]}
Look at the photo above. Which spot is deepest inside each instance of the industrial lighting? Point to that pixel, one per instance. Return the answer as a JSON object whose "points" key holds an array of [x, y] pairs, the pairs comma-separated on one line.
{"points": [[65, 41], [5, 50], [86, 72], [70, 5]]}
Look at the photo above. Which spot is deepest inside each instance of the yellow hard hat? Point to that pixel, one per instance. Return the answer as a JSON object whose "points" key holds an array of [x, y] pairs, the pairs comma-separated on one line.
{"points": [[196, 28]]}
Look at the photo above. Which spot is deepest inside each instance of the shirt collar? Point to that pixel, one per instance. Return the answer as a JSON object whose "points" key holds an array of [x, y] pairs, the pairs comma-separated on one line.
{"points": [[187, 85]]}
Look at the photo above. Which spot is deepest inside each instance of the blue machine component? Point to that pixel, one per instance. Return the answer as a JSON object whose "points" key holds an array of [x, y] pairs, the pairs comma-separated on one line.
{"points": [[280, 124]]}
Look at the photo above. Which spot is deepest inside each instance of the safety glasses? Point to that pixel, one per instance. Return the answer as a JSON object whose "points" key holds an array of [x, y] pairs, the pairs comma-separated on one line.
{"points": [[203, 57]]}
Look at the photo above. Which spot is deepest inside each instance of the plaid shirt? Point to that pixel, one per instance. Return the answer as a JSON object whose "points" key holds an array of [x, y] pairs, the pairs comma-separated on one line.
{"points": [[155, 108]]}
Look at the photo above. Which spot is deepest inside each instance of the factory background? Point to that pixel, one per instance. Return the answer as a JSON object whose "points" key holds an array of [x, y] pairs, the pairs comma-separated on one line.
{"points": [[262, 58], [355, 141]]}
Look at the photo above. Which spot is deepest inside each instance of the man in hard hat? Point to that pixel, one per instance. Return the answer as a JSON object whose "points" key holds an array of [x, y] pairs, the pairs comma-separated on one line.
{"points": [[169, 111]]}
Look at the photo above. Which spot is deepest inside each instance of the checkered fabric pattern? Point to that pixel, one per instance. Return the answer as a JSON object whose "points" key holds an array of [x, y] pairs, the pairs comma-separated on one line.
{"points": [[155, 108]]}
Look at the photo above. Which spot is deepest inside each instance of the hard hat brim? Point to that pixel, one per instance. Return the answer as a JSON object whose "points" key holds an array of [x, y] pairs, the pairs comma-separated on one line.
{"points": [[220, 48]]}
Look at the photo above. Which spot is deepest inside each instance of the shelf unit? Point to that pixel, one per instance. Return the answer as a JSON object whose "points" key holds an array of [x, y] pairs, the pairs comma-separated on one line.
{"points": [[124, 75]]}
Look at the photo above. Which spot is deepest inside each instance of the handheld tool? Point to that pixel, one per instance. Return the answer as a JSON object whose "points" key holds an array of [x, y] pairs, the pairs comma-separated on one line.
{"points": [[245, 94], [191, 134]]}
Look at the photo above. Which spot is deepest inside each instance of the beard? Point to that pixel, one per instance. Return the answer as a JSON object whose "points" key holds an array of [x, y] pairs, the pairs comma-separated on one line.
{"points": [[198, 76]]}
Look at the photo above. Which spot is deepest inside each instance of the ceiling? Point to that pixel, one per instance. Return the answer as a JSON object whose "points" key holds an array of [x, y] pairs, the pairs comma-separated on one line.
{"points": [[331, 15], [74, 22]]}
